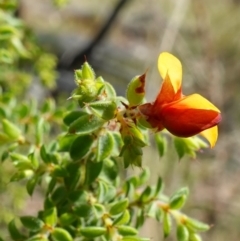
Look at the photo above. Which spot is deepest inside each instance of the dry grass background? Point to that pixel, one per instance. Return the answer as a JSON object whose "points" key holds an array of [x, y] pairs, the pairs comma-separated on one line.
{"points": [[205, 35]]}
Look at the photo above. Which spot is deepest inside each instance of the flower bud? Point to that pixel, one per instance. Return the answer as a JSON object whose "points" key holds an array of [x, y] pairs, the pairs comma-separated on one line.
{"points": [[135, 90]]}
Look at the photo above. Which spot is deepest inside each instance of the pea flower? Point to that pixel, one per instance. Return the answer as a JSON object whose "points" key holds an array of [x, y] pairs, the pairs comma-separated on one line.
{"points": [[183, 116]]}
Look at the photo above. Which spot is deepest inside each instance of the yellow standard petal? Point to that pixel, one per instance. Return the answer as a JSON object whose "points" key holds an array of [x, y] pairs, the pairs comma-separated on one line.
{"points": [[211, 135], [169, 64]]}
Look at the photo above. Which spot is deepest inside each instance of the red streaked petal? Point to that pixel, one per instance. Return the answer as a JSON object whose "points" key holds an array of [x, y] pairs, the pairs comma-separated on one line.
{"points": [[185, 118], [167, 93], [169, 64], [211, 135]]}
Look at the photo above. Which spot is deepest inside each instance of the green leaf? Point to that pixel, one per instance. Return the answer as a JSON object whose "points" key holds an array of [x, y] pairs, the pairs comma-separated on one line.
{"points": [[104, 147], [83, 210], [39, 131], [194, 237], [109, 91], [144, 176], [127, 230], [20, 161], [182, 233], [154, 211], [73, 116], [93, 170], [21, 175], [44, 155], [140, 218], [37, 237], [124, 218], [104, 109], [81, 146], [92, 232], [195, 225], [73, 175], [31, 184], [50, 216], [132, 155], [146, 195], [86, 124], [65, 142], [10, 129], [159, 187], [14, 232], [161, 142], [59, 234], [131, 238], [33, 159], [167, 224], [59, 195], [178, 199], [67, 219], [180, 147], [32, 223], [119, 207], [118, 143]]}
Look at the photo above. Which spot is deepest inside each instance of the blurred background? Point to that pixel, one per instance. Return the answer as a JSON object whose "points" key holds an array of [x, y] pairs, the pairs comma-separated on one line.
{"points": [[123, 38]]}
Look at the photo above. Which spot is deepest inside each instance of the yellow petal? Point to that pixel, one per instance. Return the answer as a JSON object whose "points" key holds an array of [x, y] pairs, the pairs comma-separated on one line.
{"points": [[211, 135], [169, 64], [196, 101]]}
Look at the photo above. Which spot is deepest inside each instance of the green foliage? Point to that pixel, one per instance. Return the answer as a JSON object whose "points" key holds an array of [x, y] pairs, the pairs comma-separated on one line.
{"points": [[75, 152]]}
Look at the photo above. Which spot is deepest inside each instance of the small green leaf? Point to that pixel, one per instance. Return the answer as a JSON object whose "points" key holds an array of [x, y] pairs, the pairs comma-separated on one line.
{"points": [[10, 129], [123, 218], [73, 175], [20, 161], [14, 232], [93, 170], [72, 116], [161, 142], [31, 184], [131, 238], [50, 216], [44, 155], [167, 224], [67, 218], [21, 175], [39, 131], [81, 146], [65, 142], [32, 223], [104, 147], [104, 109], [146, 195], [37, 237], [178, 199], [195, 225], [194, 237], [182, 233], [119, 207], [83, 210], [59, 195], [180, 147], [92, 232], [86, 124], [59, 234], [109, 91], [140, 218], [127, 230], [159, 187]]}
